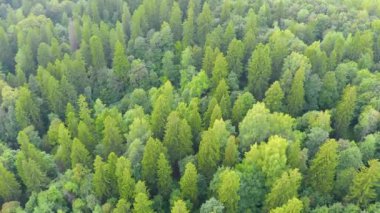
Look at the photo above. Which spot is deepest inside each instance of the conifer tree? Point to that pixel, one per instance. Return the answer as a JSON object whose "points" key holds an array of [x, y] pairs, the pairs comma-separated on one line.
{"points": [[120, 62], [345, 111], [152, 151], [296, 96], [329, 92], [323, 167], [162, 107], [283, 189], [9, 187], [220, 70], [204, 23], [142, 204], [97, 53], [259, 71], [215, 115], [71, 119], [235, 55], [64, 149], [175, 21], [112, 138], [85, 136], [189, 26], [242, 104], [179, 207], [79, 154], [231, 153], [189, 183], [164, 175], [125, 181], [178, 138], [27, 109], [363, 188], [274, 97], [208, 154]]}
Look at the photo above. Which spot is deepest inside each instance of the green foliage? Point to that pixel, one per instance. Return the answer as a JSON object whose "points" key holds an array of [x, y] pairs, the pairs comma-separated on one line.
{"points": [[164, 175], [292, 206], [259, 71], [345, 112], [228, 190], [274, 97], [241, 106], [179, 207], [189, 183], [9, 187], [323, 167]]}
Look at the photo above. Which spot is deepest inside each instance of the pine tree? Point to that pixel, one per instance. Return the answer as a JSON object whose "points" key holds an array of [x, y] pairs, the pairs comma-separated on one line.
{"points": [[345, 111], [164, 176], [176, 21], [231, 153], [220, 70], [79, 154], [178, 138], [125, 181], [259, 71], [27, 110], [209, 154], [283, 189], [162, 107], [97, 53], [112, 137], [296, 96], [179, 207], [235, 55], [329, 92], [64, 149], [274, 97], [215, 115], [152, 151], [71, 120], [189, 183], [363, 188], [228, 188], [204, 23], [142, 204], [242, 104], [9, 187], [323, 167], [120, 63], [189, 26]]}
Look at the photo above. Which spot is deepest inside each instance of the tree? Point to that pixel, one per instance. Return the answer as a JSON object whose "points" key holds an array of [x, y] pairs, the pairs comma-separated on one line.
{"points": [[97, 53], [209, 153], [329, 92], [292, 206], [175, 21], [212, 205], [323, 167], [179, 207], [296, 97], [215, 115], [125, 181], [27, 109], [228, 190], [164, 175], [112, 137], [220, 70], [79, 154], [188, 26], [9, 187], [283, 189], [259, 71], [120, 63], [362, 189], [345, 111], [64, 149], [241, 106], [162, 107], [152, 151], [178, 138], [189, 183], [231, 153], [142, 204], [204, 23], [235, 55], [274, 97]]}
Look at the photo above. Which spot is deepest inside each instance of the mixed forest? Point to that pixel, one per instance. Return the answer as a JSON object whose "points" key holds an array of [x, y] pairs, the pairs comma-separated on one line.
{"points": [[208, 106]]}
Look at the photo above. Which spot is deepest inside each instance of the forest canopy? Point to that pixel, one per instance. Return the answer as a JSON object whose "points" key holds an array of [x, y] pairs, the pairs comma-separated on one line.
{"points": [[208, 106]]}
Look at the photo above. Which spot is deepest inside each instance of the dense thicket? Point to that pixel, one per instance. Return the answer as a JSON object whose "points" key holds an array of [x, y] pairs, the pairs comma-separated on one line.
{"points": [[189, 106]]}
